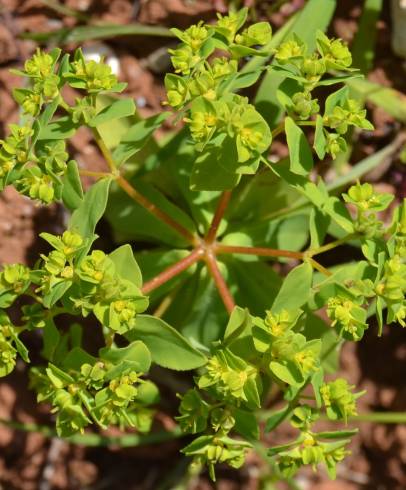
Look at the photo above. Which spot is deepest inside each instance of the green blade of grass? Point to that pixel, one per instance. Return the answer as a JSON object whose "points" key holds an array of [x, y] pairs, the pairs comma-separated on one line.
{"points": [[390, 100], [100, 31], [363, 47], [64, 10]]}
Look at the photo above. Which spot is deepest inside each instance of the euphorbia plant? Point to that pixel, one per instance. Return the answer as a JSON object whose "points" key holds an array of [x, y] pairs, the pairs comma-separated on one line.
{"points": [[216, 198]]}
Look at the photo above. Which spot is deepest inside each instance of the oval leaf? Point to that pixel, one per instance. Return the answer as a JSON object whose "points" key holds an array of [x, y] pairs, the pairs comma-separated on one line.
{"points": [[168, 347]]}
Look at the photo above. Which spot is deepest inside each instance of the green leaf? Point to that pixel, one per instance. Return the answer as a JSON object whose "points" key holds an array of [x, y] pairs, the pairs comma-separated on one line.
{"points": [[216, 168], [86, 216], [76, 358], [253, 284], [245, 79], [316, 328], [287, 374], [336, 98], [239, 323], [319, 144], [43, 119], [301, 159], [116, 110], [56, 293], [338, 211], [295, 290], [168, 347], [246, 424], [380, 306], [339, 434], [319, 224], [126, 265], [136, 137], [275, 419], [60, 129], [135, 353], [50, 339], [72, 192], [196, 305]]}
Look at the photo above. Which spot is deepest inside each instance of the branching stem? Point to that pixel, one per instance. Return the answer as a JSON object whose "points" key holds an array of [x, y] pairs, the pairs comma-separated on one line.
{"points": [[259, 251], [218, 216], [219, 281], [153, 209], [173, 270]]}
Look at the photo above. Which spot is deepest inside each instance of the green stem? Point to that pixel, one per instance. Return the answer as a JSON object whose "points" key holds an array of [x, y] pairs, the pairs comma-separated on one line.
{"points": [[320, 267], [105, 151], [98, 175], [278, 130], [109, 338], [34, 296], [331, 245], [305, 123], [381, 417], [91, 439]]}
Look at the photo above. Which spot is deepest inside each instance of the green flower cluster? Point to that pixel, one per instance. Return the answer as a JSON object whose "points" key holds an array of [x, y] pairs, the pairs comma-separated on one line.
{"points": [[33, 158], [44, 82], [83, 389], [367, 203], [212, 450], [92, 76], [305, 72], [103, 392], [231, 121], [216, 116], [232, 378], [348, 316], [380, 280], [201, 40], [289, 356], [15, 279], [255, 353], [338, 399], [38, 176], [10, 345], [308, 69], [310, 450], [89, 283], [314, 448]]}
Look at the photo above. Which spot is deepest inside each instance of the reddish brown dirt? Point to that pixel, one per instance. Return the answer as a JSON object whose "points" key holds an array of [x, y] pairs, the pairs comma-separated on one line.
{"points": [[31, 461]]}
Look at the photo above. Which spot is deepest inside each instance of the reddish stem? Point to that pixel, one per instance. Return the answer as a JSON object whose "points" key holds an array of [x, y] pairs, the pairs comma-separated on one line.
{"points": [[261, 251], [173, 271], [158, 213], [219, 281], [218, 216]]}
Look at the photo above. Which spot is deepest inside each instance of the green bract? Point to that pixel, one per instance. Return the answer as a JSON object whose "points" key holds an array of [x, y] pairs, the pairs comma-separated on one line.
{"points": [[285, 333]]}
